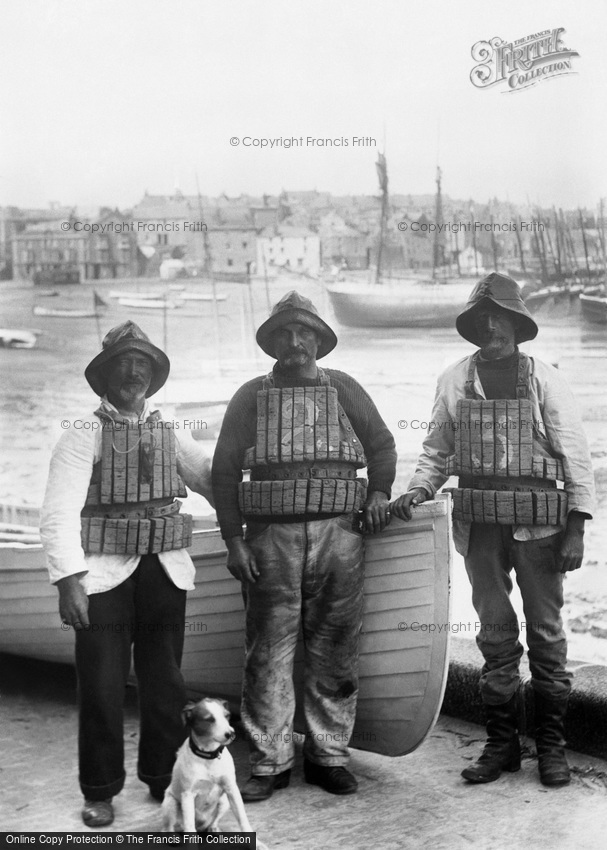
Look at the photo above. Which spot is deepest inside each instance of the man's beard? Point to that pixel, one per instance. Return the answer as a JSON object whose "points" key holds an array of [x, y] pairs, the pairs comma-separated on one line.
{"points": [[491, 342], [132, 390], [294, 360]]}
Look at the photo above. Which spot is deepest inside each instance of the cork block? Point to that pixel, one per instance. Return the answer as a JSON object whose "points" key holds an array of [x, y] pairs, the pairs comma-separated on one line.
{"points": [[476, 437], [298, 424], [333, 423], [288, 497], [158, 479], [106, 464], [132, 537], [95, 534], [322, 431], [261, 445], [309, 426], [143, 540], [146, 463], [110, 536], [488, 437], [273, 425], [286, 425], [133, 436], [502, 436], [119, 460], [276, 498], [315, 495], [504, 507], [157, 534], [489, 506], [301, 496]]}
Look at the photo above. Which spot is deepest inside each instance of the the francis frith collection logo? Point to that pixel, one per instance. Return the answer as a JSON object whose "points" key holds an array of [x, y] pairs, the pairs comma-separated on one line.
{"points": [[523, 63]]}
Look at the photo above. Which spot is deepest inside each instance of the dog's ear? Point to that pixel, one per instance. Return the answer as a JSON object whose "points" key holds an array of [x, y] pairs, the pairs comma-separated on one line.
{"points": [[187, 712]]}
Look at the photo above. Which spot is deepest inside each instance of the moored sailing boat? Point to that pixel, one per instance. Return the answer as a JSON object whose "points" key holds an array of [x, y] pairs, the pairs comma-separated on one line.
{"points": [[594, 307], [398, 302], [71, 312]]}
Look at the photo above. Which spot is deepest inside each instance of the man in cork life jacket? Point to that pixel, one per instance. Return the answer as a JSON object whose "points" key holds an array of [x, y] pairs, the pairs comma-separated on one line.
{"points": [[508, 426], [115, 542], [303, 432]]}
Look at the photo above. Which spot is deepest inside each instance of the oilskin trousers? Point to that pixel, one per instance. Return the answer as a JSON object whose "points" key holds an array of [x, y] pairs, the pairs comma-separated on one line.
{"points": [[146, 612], [493, 554], [311, 573]]}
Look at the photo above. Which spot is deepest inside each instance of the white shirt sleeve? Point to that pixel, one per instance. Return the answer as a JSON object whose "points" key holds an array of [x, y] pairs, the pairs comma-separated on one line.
{"points": [[66, 491]]}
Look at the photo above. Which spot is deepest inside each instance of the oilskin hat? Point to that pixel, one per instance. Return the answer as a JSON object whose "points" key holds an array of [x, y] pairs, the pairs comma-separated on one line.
{"points": [[126, 337], [503, 291], [293, 307]]}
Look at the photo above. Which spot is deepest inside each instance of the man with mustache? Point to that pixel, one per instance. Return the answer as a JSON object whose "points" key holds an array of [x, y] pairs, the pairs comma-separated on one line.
{"points": [[302, 431], [115, 544], [507, 424]]}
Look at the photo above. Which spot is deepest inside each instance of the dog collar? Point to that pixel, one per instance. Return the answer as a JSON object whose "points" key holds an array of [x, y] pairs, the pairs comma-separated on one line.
{"points": [[203, 754]]}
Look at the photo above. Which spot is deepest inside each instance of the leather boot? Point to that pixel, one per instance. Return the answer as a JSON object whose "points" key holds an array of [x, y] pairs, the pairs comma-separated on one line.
{"points": [[502, 750], [550, 739], [334, 779], [261, 787]]}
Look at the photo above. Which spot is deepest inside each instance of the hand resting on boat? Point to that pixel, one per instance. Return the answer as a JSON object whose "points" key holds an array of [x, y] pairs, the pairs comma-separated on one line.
{"points": [[376, 512], [401, 507]]}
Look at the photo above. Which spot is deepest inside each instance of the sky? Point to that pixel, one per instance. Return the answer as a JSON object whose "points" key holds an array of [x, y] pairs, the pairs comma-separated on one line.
{"points": [[102, 101]]}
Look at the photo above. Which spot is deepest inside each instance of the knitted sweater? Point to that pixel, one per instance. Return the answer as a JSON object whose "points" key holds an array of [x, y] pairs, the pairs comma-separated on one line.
{"points": [[238, 433]]}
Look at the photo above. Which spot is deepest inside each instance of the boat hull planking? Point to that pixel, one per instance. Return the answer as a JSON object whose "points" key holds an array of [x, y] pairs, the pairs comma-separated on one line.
{"points": [[403, 668]]}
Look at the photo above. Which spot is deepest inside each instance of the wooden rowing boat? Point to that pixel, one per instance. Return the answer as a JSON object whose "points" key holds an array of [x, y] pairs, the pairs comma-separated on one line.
{"points": [[140, 295], [406, 303], [63, 312], [403, 659], [17, 338], [150, 303], [203, 296]]}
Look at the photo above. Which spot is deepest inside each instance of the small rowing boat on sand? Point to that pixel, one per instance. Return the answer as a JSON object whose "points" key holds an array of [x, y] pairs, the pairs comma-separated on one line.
{"points": [[125, 293], [403, 660], [16, 338], [150, 303], [63, 312], [203, 296]]}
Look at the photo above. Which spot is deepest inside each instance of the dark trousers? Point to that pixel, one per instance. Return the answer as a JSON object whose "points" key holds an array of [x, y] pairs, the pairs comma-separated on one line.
{"points": [[146, 612], [492, 556]]}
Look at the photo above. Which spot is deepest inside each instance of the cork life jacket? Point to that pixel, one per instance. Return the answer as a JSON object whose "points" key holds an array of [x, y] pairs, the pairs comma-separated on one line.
{"points": [[306, 454], [507, 473], [131, 507]]}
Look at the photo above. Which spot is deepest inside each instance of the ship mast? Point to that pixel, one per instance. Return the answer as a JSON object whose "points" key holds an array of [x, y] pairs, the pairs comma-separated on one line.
{"points": [[382, 173], [439, 251]]}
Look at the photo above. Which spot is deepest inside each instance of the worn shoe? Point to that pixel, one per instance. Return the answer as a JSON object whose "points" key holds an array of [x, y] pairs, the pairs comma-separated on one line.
{"points": [[262, 787], [335, 780], [98, 812], [157, 792]]}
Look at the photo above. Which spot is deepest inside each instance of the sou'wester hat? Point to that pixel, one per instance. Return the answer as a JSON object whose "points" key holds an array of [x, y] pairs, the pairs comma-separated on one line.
{"points": [[126, 337], [293, 307], [503, 291]]}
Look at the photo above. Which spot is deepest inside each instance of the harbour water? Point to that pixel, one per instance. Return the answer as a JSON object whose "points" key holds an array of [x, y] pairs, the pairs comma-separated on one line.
{"points": [[212, 352]]}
